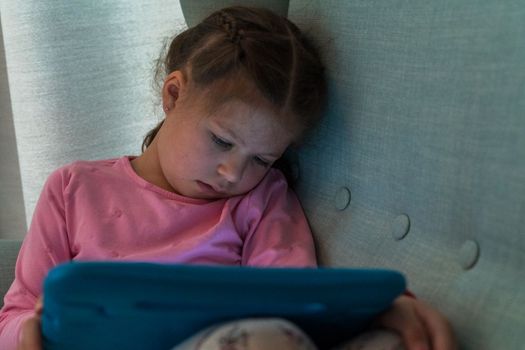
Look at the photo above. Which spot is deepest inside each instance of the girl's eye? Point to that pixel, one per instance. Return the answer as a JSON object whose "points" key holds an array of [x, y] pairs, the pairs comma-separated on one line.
{"points": [[225, 145], [220, 142], [262, 162]]}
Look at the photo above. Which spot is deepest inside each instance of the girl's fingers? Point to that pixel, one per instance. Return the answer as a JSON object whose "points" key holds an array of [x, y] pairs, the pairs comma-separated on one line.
{"points": [[30, 337], [415, 338], [414, 335], [438, 328], [403, 319], [39, 306]]}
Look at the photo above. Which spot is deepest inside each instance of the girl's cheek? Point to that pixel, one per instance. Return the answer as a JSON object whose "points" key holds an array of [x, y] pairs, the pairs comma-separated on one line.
{"points": [[254, 176]]}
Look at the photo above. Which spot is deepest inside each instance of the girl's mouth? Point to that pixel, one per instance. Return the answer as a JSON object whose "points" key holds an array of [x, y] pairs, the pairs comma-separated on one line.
{"points": [[208, 188]]}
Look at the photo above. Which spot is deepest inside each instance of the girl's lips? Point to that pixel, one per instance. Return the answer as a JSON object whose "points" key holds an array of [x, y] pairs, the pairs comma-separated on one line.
{"points": [[207, 188]]}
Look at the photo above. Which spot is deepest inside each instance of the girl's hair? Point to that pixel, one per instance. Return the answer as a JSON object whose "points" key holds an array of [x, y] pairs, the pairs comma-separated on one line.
{"points": [[244, 47], [246, 50]]}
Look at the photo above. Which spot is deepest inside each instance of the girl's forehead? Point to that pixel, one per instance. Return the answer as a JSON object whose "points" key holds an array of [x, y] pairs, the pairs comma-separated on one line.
{"points": [[249, 116], [236, 91], [236, 102]]}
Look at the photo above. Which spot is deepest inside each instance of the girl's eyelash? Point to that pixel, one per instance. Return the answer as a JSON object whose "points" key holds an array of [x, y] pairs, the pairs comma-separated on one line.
{"points": [[226, 145], [262, 162], [220, 142]]}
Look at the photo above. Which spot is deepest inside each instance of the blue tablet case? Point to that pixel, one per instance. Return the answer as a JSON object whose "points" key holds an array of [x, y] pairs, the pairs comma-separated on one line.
{"points": [[122, 305]]}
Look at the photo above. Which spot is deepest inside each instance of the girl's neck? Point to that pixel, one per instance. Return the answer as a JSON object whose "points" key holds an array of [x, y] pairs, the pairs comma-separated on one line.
{"points": [[147, 166]]}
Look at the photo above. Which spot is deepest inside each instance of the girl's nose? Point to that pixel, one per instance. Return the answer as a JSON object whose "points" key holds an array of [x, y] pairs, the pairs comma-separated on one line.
{"points": [[231, 169]]}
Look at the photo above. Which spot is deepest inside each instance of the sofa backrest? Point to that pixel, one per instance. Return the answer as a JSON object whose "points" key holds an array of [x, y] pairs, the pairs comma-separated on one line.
{"points": [[420, 162]]}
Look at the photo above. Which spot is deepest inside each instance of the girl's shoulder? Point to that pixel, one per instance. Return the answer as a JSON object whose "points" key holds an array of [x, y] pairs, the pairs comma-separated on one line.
{"points": [[273, 181], [273, 187], [81, 170], [82, 166]]}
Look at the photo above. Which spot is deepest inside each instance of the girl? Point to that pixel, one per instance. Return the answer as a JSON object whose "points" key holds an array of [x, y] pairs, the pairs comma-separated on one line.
{"points": [[239, 89]]}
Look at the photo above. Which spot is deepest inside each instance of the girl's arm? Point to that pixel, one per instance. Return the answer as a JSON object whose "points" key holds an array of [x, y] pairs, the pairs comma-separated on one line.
{"points": [[278, 232], [44, 246], [30, 335]]}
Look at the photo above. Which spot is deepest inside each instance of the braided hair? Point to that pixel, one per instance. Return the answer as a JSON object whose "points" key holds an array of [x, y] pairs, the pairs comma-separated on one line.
{"points": [[245, 49]]}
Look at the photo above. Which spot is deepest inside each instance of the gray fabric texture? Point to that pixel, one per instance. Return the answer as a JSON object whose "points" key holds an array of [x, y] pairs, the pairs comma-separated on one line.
{"points": [[8, 253], [12, 214], [80, 76], [196, 11], [425, 119]]}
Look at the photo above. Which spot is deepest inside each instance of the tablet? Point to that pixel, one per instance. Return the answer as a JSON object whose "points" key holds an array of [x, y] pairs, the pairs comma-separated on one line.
{"points": [[132, 305]]}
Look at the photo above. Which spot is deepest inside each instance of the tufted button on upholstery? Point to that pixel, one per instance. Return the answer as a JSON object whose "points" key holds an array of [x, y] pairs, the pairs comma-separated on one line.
{"points": [[469, 254], [342, 198], [400, 227]]}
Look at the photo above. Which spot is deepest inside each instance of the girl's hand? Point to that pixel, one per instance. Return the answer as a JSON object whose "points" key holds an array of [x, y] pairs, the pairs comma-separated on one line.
{"points": [[30, 337], [421, 326]]}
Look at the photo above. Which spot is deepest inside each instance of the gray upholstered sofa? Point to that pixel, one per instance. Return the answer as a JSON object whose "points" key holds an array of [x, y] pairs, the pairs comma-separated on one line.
{"points": [[419, 164], [8, 253]]}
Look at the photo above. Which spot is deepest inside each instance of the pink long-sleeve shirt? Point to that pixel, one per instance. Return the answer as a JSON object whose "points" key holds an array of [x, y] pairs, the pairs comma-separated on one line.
{"points": [[102, 210]]}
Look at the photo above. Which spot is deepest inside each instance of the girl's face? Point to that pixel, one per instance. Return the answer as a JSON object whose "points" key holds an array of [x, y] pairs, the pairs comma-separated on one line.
{"points": [[218, 155]]}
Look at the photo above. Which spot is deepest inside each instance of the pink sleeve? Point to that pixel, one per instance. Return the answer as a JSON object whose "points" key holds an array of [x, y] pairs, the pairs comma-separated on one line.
{"points": [[44, 246], [279, 234]]}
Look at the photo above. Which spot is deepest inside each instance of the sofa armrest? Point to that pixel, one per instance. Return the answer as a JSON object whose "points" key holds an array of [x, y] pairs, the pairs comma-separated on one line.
{"points": [[8, 252]]}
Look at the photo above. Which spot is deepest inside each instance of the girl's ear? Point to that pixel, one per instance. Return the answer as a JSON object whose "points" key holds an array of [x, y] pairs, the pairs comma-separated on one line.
{"points": [[174, 84]]}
